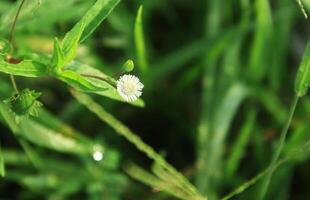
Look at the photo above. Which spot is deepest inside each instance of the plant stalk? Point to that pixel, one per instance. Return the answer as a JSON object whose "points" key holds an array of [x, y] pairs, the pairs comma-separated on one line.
{"points": [[277, 154], [11, 37]]}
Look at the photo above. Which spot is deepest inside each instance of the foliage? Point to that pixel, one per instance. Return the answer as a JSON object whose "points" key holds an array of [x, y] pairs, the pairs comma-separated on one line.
{"points": [[218, 80]]}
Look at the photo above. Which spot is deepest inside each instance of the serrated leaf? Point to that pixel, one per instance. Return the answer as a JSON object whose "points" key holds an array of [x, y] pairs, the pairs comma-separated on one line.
{"points": [[27, 68], [302, 81]]}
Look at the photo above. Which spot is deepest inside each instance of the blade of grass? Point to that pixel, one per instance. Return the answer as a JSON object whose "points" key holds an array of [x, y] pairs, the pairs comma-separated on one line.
{"points": [[121, 129], [239, 146], [96, 15], [41, 135], [301, 6], [278, 151], [263, 32], [223, 116], [140, 42], [304, 149]]}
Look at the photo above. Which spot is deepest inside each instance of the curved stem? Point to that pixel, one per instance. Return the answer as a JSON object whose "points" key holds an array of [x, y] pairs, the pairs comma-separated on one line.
{"points": [[277, 154], [14, 83], [11, 36], [15, 20]]}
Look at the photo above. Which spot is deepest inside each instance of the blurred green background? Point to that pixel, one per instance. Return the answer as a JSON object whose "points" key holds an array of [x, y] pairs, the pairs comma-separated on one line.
{"points": [[219, 81]]}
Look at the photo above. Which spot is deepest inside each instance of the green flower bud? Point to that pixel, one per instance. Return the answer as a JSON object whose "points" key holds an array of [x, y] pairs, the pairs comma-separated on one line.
{"points": [[25, 103], [128, 66]]}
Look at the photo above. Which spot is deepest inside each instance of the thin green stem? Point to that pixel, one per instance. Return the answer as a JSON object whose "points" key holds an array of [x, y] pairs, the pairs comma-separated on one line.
{"points": [[279, 149], [11, 36], [121, 129], [304, 149], [15, 20], [14, 83]]}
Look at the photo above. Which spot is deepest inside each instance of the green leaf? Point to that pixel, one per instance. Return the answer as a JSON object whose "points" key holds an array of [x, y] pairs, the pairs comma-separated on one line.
{"points": [[139, 41], [96, 15], [42, 135], [124, 131], [58, 57], [71, 41], [83, 29], [105, 83], [239, 146], [302, 81], [78, 82], [2, 168], [27, 68]]}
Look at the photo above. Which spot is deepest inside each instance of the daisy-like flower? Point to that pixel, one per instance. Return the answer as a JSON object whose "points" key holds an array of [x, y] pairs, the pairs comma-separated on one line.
{"points": [[129, 87]]}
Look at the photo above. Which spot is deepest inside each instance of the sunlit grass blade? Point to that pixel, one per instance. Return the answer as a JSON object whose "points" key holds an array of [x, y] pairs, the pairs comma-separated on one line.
{"points": [[41, 135], [121, 129], [156, 183], [210, 160], [263, 35], [140, 42], [302, 8], [96, 15]]}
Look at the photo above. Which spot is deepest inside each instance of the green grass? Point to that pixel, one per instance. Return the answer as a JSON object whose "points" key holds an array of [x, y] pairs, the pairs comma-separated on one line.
{"points": [[215, 120]]}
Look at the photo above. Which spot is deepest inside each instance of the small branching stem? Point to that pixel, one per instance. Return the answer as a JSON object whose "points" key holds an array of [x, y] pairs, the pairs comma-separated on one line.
{"points": [[278, 151]]}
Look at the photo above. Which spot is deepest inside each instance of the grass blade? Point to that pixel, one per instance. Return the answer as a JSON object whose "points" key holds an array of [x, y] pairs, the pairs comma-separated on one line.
{"points": [[140, 42], [137, 141], [41, 135], [96, 15], [302, 81], [238, 148], [278, 151], [304, 149]]}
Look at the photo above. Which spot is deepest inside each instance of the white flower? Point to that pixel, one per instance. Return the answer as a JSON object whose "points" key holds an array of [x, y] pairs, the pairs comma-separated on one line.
{"points": [[129, 87]]}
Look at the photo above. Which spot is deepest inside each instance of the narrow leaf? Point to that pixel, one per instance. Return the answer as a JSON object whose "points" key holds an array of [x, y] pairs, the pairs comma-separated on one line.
{"points": [[71, 41], [140, 42], [302, 81], [96, 15], [105, 83], [40, 134], [27, 68], [78, 82], [58, 56]]}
